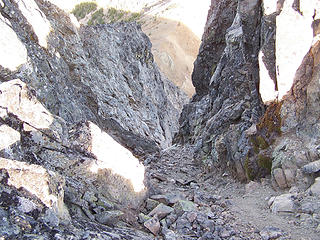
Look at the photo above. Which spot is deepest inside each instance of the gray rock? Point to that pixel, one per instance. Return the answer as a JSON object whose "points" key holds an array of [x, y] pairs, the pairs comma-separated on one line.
{"points": [[183, 227], [308, 207], [105, 74], [51, 218], [143, 218], [270, 232], [312, 167], [227, 100], [89, 197], [183, 206], [306, 219], [315, 188], [171, 218], [191, 216], [280, 178], [26, 205], [161, 211], [220, 17], [151, 204], [109, 218], [225, 233], [168, 234], [153, 225], [283, 204], [168, 199]]}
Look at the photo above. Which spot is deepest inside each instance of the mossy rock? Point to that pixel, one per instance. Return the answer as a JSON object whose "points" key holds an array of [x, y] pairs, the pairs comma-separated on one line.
{"points": [[259, 143], [265, 162], [271, 120]]}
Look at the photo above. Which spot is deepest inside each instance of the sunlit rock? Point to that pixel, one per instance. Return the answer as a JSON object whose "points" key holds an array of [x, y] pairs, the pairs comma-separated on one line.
{"points": [[16, 99], [45, 185], [12, 52], [111, 155], [293, 40], [36, 19], [8, 136]]}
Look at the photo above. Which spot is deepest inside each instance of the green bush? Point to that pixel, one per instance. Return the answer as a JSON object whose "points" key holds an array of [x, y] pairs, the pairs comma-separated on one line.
{"points": [[133, 17], [83, 9], [115, 15], [97, 18]]}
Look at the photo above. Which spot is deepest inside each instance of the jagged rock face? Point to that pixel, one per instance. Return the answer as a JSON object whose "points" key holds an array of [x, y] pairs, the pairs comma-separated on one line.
{"points": [[300, 106], [68, 96], [220, 18], [227, 123], [84, 156], [216, 121], [104, 74]]}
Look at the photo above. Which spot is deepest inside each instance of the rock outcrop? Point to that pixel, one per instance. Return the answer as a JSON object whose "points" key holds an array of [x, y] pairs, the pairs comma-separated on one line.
{"points": [[78, 105], [220, 18], [101, 74], [229, 103], [255, 111]]}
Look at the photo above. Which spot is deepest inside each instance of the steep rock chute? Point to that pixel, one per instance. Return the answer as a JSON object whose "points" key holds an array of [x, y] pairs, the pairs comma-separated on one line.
{"points": [[73, 100]]}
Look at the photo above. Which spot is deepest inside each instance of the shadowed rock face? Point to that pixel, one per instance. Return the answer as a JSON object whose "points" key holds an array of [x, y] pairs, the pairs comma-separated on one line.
{"points": [[227, 103], [220, 18]]}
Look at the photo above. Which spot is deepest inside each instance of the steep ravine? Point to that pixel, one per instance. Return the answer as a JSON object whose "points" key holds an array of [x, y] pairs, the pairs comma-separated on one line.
{"points": [[87, 122]]}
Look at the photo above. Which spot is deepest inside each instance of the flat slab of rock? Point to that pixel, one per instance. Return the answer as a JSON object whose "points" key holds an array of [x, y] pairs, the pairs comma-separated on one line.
{"points": [[183, 206], [311, 167], [161, 211], [153, 225], [168, 199], [109, 218], [283, 204]]}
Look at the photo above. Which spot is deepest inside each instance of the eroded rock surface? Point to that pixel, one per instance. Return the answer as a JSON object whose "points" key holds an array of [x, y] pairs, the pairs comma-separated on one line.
{"points": [[216, 118], [104, 74], [65, 107], [227, 121]]}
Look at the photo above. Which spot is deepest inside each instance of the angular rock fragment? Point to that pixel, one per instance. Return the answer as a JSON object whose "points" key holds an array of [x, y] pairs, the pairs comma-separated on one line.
{"points": [[283, 204], [153, 225], [161, 211], [168, 199], [45, 185], [109, 218], [270, 232], [183, 206], [312, 167]]}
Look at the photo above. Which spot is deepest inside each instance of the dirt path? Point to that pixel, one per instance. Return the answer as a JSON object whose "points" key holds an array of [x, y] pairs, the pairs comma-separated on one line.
{"points": [[246, 211]]}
